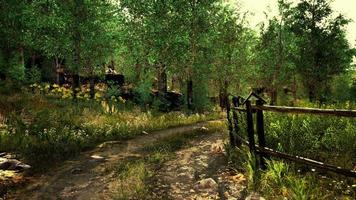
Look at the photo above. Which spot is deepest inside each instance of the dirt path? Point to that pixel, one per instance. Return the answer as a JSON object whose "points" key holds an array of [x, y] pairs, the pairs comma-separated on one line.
{"points": [[92, 174], [88, 175], [199, 172]]}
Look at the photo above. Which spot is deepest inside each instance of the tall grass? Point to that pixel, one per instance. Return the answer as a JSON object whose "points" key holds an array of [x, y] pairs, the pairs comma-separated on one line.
{"points": [[43, 129], [324, 138]]}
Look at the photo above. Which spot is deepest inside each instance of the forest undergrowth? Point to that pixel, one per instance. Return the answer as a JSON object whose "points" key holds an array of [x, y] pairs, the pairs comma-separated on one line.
{"points": [[43, 130], [323, 138]]}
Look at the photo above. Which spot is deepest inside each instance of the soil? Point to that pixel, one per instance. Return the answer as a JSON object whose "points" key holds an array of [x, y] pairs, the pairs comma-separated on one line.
{"points": [[197, 172]]}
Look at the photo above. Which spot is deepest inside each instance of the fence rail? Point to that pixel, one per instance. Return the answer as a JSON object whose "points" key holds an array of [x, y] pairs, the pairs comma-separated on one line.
{"points": [[261, 149], [301, 110]]}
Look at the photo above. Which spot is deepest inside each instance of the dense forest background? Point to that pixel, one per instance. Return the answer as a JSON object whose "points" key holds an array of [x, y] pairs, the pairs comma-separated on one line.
{"points": [[202, 49]]}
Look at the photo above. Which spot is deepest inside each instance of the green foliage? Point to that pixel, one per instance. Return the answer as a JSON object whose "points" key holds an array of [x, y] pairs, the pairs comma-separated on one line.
{"points": [[353, 91], [207, 42], [53, 130], [200, 97], [279, 181], [341, 88], [143, 90], [285, 181], [275, 57], [33, 75], [323, 50], [325, 138], [15, 70], [133, 177]]}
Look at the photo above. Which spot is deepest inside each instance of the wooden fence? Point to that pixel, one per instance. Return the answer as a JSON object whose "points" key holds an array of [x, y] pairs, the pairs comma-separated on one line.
{"points": [[261, 149]]}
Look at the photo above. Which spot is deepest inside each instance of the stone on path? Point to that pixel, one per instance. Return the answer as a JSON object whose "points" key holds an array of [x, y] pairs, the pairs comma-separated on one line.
{"points": [[254, 196], [203, 128], [12, 164], [207, 183], [97, 158], [76, 171]]}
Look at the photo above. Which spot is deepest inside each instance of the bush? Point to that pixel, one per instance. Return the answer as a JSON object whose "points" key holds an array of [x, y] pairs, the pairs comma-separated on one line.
{"points": [[33, 75]]}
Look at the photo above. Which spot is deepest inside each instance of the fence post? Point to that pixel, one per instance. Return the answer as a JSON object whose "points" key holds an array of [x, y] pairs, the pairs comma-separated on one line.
{"points": [[232, 139], [261, 133], [235, 102], [250, 131]]}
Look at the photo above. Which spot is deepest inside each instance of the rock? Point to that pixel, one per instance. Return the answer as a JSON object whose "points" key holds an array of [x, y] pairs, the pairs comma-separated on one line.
{"points": [[144, 132], [208, 183], [254, 196], [97, 158], [2, 154], [13, 164], [238, 178], [215, 148], [202, 175], [76, 171], [109, 144], [203, 128]]}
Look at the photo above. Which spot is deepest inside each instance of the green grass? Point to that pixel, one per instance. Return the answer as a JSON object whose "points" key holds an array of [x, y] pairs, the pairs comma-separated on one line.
{"points": [[135, 175], [133, 179], [46, 130], [282, 180], [324, 138]]}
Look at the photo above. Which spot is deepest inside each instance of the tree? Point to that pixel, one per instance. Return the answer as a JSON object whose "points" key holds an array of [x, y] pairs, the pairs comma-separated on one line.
{"points": [[90, 38], [323, 50], [230, 50], [169, 37], [275, 53], [196, 22], [15, 35], [149, 34]]}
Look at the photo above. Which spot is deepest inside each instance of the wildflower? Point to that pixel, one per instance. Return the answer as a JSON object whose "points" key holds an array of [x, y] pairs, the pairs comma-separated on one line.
{"points": [[122, 100]]}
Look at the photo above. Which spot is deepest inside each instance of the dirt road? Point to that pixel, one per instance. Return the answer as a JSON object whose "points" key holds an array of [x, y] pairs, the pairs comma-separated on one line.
{"points": [[197, 172]]}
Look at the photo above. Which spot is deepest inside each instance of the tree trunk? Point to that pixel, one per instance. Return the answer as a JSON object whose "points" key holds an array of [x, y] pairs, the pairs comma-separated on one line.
{"points": [[294, 90], [190, 94], [138, 69], [59, 72], [273, 96], [311, 93], [162, 78], [223, 95], [112, 64], [174, 82], [21, 56], [78, 13], [92, 87], [33, 60], [4, 54], [75, 85]]}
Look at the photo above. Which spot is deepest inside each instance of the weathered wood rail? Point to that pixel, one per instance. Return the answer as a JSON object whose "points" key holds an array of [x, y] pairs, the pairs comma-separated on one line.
{"points": [[261, 150]]}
